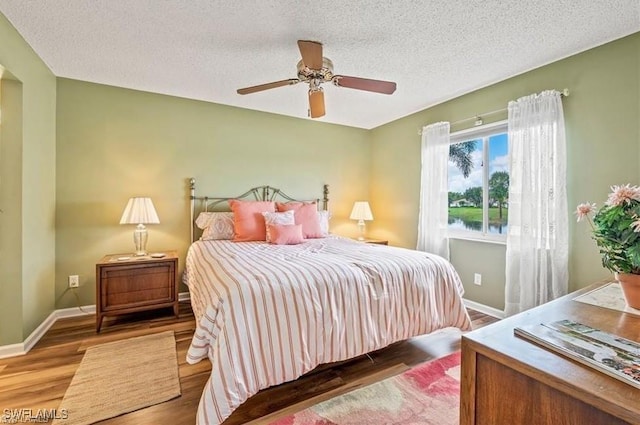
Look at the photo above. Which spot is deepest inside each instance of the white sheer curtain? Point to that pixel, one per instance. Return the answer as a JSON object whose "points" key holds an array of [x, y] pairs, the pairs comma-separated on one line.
{"points": [[434, 198], [537, 240]]}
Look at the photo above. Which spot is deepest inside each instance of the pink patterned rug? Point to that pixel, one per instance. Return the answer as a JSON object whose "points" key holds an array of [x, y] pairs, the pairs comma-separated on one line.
{"points": [[428, 394]]}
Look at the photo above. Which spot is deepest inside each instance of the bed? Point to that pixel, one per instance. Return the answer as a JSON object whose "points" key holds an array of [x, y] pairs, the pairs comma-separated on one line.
{"points": [[267, 314]]}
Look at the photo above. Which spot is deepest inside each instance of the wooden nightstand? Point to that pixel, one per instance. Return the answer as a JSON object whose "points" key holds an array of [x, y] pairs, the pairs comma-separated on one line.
{"points": [[135, 284], [376, 241]]}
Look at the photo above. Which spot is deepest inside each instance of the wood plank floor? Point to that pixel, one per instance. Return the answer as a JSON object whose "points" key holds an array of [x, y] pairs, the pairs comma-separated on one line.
{"points": [[39, 379]]}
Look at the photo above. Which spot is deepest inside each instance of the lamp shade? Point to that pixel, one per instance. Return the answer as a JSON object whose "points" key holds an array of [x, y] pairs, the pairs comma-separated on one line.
{"points": [[139, 211], [361, 211]]}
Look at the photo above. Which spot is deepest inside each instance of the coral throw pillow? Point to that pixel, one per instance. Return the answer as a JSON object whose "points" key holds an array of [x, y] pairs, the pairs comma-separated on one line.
{"points": [[306, 215], [286, 234], [248, 221]]}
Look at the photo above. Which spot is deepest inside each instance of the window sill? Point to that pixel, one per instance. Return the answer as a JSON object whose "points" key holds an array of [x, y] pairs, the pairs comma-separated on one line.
{"points": [[480, 238]]}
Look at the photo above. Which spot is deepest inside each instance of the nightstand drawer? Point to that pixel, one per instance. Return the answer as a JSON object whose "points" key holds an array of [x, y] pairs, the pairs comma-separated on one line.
{"points": [[124, 279]]}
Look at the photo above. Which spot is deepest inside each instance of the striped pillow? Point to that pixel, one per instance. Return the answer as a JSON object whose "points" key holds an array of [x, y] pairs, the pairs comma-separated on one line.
{"points": [[323, 219]]}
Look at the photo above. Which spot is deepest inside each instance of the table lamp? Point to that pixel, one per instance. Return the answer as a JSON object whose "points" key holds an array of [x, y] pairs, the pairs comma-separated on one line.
{"points": [[140, 211], [361, 212]]}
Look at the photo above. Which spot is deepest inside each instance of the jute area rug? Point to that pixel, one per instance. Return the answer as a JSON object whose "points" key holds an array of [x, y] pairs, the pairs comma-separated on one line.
{"points": [[120, 377], [428, 394]]}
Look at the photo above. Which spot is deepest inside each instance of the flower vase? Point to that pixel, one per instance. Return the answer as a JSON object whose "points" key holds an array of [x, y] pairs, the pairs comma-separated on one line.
{"points": [[630, 284]]}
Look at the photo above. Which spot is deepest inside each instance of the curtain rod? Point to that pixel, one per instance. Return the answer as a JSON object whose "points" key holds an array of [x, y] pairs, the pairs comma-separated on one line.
{"points": [[478, 117]]}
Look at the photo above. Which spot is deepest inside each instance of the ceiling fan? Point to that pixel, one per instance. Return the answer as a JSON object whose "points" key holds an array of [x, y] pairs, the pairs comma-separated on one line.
{"points": [[314, 69]]}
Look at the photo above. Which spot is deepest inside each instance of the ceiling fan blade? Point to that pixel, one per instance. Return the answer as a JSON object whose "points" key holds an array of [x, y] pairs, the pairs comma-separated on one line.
{"points": [[253, 89], [378, 86], [311, 52], [316, 103]]}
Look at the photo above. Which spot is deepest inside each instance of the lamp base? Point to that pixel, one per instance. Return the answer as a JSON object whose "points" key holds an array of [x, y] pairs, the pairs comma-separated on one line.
{"points": [[361, 226], [140, 237]]}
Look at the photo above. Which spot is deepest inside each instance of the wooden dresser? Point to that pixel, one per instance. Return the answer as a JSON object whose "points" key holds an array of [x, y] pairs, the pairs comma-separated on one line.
{"points": [[508, 380], [132, 284]]}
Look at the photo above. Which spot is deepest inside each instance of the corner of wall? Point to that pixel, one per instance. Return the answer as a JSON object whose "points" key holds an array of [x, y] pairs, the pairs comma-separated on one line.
{"points": [[29, 143]]}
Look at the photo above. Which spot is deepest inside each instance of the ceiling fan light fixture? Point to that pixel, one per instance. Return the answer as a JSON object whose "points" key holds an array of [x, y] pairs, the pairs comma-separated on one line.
{"points": [[325, 73]]}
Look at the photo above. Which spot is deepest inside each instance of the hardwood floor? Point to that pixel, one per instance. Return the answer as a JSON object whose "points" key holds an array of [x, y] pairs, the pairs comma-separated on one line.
{"points": [[39, 379]]}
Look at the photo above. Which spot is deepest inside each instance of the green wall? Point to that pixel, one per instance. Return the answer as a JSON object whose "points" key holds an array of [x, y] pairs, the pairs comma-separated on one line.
{"points": [[603, 148], [114, 143], [72, 153], [27, 188]]}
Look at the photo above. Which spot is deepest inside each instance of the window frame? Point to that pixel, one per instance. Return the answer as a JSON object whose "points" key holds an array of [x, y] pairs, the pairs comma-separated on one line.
{"points": [[481, 132]]}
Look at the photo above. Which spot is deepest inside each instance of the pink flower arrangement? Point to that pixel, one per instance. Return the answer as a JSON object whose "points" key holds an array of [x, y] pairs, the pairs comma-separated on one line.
{"points": [[623, 195], [616, 228]]}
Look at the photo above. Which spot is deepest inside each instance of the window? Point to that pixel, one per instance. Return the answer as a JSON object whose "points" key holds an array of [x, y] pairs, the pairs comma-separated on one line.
{"points": [[479, 182]]}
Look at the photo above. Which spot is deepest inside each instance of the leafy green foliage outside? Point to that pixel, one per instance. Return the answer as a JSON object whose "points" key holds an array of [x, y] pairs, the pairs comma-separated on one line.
{"points": [[460, 154], [474, 195], [499, 189]]}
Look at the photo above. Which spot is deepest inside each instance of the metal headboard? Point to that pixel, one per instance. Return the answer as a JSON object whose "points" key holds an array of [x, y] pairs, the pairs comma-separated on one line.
{"points": [[260, 193]]}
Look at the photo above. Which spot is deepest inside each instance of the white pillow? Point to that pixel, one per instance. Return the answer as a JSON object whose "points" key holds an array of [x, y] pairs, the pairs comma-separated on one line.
{"points": [[271, 218], [323, 218], [215, 225]]}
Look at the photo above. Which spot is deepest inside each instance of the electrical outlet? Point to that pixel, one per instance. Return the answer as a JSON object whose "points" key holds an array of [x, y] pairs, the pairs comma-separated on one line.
{"points": [[477, 278], [74, 281]]}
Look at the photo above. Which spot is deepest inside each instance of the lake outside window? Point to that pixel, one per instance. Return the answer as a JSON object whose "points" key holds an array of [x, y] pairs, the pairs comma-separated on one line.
{"points": [[479, 183]]}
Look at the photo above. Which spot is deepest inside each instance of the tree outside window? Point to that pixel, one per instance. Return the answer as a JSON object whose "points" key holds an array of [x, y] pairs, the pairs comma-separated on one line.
{"points": [[479, 194]]}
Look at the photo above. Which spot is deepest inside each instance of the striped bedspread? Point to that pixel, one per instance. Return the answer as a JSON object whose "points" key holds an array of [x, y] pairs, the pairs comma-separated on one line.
{"points": [[267, 314]]}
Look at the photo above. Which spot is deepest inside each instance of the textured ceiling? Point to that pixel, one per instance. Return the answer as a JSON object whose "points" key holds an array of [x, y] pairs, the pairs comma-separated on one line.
{"points": [[206, 49]]}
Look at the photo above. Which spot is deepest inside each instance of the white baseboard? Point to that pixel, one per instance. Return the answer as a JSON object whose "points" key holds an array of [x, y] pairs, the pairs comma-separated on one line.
{"points": [[23, 348], [12, 350], [75, 311], [39, 332], [490, 311]]}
